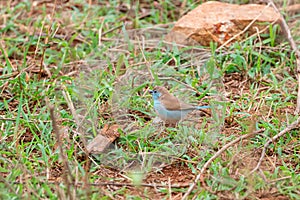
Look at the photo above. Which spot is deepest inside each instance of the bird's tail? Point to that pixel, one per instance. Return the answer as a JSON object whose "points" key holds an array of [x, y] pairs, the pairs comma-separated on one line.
{"points": [[202, 107]]}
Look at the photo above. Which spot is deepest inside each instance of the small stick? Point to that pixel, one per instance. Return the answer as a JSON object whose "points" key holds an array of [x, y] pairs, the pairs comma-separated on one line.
{"points": [[145, 59], [287, 129], [294, 47], [170, 189], [205, 166], [67, 172], [154, 185], [100, 32]]}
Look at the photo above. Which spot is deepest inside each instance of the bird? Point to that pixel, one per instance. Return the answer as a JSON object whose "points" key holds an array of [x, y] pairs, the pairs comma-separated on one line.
{"points": [[168, 107]]}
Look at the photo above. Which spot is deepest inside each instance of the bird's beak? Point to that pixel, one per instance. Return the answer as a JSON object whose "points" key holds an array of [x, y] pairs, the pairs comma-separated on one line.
{"points": [[151, 91]]}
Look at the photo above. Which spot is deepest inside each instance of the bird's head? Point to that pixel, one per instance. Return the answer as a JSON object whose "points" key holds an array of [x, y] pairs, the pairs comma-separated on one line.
{"points": [[158, 91]]}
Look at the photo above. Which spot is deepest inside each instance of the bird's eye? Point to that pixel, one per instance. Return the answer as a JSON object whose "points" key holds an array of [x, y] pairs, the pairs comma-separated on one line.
{"points": [[155, 91]]}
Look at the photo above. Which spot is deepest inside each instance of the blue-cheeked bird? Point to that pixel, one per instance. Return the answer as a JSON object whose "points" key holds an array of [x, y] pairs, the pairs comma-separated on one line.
{"points": [[168, 107]]}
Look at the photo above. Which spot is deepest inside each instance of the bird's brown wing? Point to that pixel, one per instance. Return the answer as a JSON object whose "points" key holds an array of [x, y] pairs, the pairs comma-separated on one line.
{"points": [[172, 103]]}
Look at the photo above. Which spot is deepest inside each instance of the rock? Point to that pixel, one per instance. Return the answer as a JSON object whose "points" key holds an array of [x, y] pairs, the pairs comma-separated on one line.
{"points": [[104, 139], [218, 22]]}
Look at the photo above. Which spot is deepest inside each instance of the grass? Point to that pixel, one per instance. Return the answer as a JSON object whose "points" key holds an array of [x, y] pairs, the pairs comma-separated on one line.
{"points": [[94, 82]]}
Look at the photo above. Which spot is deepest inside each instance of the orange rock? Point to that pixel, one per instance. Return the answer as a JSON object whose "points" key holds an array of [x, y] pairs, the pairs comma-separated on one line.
{"points": [[218, 22]]}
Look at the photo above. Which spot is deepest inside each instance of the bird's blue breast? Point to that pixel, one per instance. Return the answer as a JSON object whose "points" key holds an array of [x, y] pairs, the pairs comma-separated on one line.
{"points": [[165, 114]]}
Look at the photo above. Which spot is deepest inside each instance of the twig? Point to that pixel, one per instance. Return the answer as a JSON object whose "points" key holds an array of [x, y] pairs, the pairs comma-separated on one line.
{"points": [[7, 185], [205, 166], [112, 29], [170, 189], [182, 6], [78, 38], [120, 26], [154, 185], [145, 59], [279, 179], [168, 156], [259, 32], [67, 172], [83, 139], [287, 129], [100, 32], [6, 57], [2, 118], [294, 47]]}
